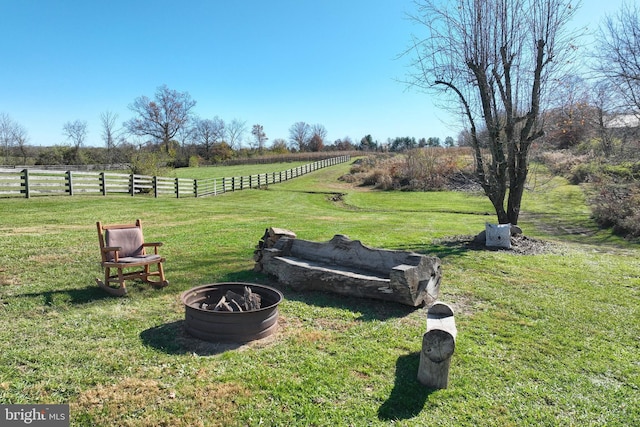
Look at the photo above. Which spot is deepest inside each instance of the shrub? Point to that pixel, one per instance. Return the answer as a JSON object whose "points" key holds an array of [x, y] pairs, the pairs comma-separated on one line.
{"points": [[148, 163], [587, 172], [603, 172], [618, 206], [194, 161], [423, 169], [433, 169], [561, 162]]}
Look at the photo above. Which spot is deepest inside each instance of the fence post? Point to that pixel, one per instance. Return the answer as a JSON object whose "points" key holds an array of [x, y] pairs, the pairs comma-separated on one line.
{"points": [[233, 183], [195, 188], [177, 185], [103, 183], [131, 185], [25, 181], [154, 183], [69, 179]]}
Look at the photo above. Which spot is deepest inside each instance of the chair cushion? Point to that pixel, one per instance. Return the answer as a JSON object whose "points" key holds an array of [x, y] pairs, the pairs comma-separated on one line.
{"points": [[129, 239], [142, 258]]}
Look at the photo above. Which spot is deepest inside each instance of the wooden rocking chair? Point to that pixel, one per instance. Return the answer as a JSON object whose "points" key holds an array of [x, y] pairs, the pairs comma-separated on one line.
{"points": [[123, 247]]}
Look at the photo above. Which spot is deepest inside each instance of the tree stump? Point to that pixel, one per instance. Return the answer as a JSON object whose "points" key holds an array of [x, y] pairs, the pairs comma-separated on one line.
{"points": [[438, 345]]}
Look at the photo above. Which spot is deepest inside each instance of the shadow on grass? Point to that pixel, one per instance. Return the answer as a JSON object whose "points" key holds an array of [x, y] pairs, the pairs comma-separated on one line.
{"points": [[443, 249], [171, 338], [69, 296], [369, 309], [408, 397]]}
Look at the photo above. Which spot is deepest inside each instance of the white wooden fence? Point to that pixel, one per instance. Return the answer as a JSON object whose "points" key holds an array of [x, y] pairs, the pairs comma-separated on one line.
{"points": [[33, 182]]}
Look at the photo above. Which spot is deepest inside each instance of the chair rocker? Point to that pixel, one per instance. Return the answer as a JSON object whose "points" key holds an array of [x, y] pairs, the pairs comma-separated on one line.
{"points": [[123, 247]]}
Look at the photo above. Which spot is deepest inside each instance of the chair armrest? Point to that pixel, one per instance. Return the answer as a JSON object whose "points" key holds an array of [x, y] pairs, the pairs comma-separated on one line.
{"points": [[114, 249], [154, 245], [111, 249]]}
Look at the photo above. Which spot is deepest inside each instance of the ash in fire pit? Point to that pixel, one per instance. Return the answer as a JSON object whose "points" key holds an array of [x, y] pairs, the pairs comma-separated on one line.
{"points": [[231, 311], [232, 301]]}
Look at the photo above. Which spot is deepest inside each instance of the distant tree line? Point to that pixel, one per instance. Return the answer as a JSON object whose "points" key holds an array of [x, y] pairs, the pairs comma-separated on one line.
{"points": [[165, 130]]}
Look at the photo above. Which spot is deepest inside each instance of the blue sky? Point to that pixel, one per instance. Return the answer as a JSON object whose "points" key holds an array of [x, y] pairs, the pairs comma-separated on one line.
{"points": [[272, 63]]}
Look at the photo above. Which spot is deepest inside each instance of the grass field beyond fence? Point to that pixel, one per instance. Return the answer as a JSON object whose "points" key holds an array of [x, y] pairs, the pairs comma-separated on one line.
{"points": [[546, 339], [34, 182]]}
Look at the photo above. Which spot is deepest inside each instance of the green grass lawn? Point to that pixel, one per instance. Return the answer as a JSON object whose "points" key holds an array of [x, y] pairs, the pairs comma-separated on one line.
{"points": [[231, 171], [547, 339]]}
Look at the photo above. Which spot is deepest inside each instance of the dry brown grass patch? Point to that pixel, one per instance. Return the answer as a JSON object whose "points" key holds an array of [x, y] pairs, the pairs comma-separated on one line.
{"points": [[146, 402], [6, 279]]}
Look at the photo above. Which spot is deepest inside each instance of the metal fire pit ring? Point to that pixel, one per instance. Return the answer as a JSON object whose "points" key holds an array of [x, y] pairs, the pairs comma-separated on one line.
{"points": [[225, 326]]}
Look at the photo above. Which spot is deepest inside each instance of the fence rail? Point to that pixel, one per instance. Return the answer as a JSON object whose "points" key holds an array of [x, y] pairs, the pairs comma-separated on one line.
{"points": [[33, 182]]}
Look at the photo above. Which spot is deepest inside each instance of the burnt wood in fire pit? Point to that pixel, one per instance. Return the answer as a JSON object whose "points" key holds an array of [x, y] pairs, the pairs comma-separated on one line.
{"points": [[232, 301], [204, 322]]}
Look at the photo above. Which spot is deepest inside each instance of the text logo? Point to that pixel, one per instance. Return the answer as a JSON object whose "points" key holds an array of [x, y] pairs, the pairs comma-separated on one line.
{"points": [[34, 415]]}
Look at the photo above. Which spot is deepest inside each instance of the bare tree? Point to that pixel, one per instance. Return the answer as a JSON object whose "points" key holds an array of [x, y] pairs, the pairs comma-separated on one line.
{"points": [[344, 144], [299, 135], [235, 133], [163, 117], [318, 136], [567, 124], [493, 58], [76, 133], [279, 146], [207, 132], [602, 99], [21, 138], [12, 134], [617, 55], [186, 139], [259, 136], [110, 132], [6, 135]]}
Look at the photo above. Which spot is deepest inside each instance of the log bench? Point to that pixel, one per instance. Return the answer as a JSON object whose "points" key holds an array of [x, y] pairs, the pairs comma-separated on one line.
{"points": [[347, 267]]}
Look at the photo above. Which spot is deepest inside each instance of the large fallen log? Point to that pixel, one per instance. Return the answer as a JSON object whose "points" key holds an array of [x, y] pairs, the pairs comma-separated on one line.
{"points": [[348, 267]]}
